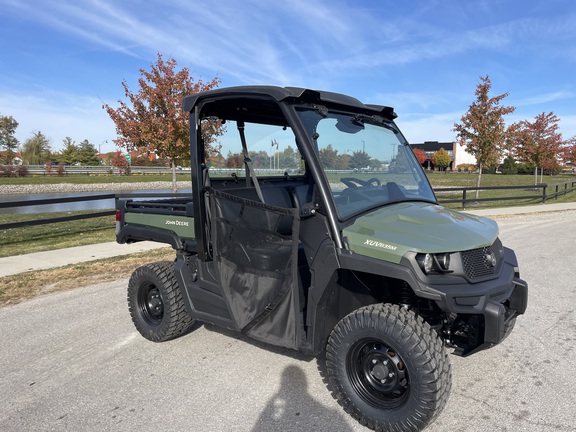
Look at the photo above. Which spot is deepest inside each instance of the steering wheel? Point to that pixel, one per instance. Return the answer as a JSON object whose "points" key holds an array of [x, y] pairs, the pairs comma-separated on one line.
{"points": [[374, 181], [353, 182]]}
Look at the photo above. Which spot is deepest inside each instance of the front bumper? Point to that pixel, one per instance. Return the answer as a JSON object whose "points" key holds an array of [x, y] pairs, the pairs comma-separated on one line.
{"points": [[476, 314], [470, 333], [481, 314]]}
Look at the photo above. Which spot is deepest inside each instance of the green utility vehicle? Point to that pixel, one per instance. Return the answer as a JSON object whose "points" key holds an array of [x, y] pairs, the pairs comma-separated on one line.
{"points": [[312, 226]]}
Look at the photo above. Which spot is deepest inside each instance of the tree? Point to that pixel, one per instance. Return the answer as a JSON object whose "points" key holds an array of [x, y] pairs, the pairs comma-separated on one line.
{"points": [[328, 157], [482, 129], [569, 151], [69, 154], [8, 141], [420, 155], [289, 158], [538, 142], [441, 159], [509, 165], [88, 154], [234, 160], [155, 122], [119, 161], [359, 160], [260, 159], [36, 150], [343, 162]]}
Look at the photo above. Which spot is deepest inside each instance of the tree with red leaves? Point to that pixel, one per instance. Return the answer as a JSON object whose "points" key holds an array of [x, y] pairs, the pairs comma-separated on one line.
{"points": [[482, 129], [570, 151], [154, 121], [119, 161], [420, 155], [538, 142]]}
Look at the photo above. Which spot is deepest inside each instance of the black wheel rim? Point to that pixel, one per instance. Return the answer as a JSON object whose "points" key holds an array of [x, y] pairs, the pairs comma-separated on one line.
{"points": [[151, 304], [378, 374]]}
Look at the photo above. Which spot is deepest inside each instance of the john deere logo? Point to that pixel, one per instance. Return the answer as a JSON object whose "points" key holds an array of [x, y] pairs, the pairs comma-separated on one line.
{"points": [[176, 222]]}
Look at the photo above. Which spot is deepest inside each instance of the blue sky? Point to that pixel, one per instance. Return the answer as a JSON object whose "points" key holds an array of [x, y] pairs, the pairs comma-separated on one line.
{"points": [[61, 59]]}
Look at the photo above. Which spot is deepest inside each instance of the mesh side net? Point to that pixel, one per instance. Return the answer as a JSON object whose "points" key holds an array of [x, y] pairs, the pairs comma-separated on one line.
{"points": [[256, 251]]}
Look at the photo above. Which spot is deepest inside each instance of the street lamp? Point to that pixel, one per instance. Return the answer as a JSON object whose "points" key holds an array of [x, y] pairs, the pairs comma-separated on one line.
{"points": [[100, 150]]}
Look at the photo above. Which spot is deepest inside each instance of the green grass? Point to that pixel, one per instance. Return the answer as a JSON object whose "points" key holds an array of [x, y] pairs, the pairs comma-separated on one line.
{"points": [[16, 241], [461, 180], [469, 179]]}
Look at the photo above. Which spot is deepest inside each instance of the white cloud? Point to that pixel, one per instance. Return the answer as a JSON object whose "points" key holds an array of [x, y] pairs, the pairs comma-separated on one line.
{"points": [[546, 97]]}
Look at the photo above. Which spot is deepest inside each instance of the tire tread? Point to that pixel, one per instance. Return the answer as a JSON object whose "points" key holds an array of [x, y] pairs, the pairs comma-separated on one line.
{"points": [[176, 319], [427, 351]]}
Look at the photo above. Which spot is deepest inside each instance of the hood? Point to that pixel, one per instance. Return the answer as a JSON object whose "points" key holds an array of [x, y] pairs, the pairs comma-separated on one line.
{"points": [[391, 231]]}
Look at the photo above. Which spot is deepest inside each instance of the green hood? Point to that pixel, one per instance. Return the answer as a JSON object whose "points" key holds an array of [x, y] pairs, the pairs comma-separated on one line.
{"points": [[389, 232]]}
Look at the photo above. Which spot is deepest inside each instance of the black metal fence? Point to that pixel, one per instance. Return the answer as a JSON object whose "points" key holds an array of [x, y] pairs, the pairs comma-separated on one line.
{"points": [[15, 204], [541, 192]]}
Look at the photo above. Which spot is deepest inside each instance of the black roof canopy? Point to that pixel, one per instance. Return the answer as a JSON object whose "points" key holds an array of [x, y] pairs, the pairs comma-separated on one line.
{"points": [[278, 94]]}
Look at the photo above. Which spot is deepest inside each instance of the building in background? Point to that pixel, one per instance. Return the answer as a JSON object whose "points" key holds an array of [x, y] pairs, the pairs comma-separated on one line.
{"points": [[457, 152]]}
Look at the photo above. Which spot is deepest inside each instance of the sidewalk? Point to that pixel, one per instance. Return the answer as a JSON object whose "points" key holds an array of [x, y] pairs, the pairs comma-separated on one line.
{"points": [[60, 257], [536, 208], [50, 259]]}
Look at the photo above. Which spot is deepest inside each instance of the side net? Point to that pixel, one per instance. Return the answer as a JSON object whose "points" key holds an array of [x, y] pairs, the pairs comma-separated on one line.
{"points": [[256, 251]]}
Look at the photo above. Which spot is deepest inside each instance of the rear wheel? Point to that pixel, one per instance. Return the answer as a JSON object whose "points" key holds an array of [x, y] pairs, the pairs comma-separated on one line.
{"points": [[388, 368], [155, 302]]}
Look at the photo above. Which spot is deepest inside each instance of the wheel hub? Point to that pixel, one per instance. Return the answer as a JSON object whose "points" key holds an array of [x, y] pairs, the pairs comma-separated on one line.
{"points": [[154, 307], [378, 372]]}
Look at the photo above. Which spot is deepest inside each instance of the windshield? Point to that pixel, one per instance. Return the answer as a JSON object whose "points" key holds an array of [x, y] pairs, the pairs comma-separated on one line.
{"points": [[366, 161]]}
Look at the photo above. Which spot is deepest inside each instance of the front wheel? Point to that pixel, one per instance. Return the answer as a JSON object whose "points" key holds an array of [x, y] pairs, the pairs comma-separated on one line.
{"points": [[388, 368], [155, 302]]}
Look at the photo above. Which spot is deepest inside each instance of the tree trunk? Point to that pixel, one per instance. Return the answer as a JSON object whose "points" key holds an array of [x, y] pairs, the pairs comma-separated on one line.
{"points": [[541, 174], [535, 175], [480, 165], [174, 183]]}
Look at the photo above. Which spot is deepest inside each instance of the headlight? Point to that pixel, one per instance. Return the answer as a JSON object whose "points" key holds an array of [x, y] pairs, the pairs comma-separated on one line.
{"points": [[428, 263], [434, 263]]}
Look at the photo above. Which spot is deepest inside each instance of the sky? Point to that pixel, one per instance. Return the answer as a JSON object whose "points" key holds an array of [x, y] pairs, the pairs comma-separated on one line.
{"points": [[61, 60]]}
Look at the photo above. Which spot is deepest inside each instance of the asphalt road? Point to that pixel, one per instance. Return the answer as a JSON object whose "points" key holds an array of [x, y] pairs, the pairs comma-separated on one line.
{"points": [[73, 361]]}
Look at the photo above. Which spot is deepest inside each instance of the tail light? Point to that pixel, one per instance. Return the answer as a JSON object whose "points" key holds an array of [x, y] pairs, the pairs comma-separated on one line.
{"points": [[118, 220]]}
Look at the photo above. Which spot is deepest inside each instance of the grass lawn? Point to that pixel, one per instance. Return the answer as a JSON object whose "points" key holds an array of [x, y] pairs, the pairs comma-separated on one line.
{"points": [[469, 179], [462, 180], [16, 241]]}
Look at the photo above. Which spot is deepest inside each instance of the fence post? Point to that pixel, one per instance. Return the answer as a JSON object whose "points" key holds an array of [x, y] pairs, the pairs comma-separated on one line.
{"points": [[544, 186], [463, 199], [556, 196]]}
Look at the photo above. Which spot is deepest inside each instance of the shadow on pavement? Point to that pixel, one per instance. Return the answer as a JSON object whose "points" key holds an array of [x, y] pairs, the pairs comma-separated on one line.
{"points": [[292, 408]]}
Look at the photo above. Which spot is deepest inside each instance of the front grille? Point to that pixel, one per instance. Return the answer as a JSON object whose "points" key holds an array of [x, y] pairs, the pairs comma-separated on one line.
{"points": [[483, 261]]}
